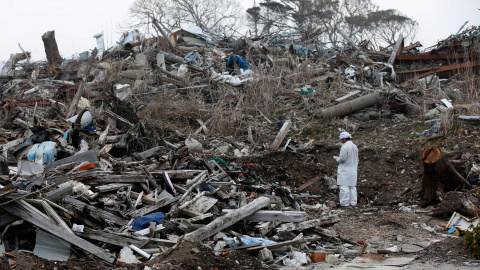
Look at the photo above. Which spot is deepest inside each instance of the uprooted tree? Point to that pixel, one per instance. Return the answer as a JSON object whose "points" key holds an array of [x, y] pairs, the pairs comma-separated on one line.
{"points": [[439, 176]]}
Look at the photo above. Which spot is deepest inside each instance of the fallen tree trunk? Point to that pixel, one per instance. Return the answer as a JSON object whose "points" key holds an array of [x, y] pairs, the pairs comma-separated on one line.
{"points": [[439, 176]]}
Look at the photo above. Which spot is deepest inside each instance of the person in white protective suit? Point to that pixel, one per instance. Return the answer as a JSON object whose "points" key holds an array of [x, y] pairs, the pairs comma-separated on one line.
{"points": [[347, 170]]}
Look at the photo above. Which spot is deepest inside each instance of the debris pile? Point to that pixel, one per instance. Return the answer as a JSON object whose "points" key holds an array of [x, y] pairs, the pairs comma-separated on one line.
{"points": [[153, 148]]}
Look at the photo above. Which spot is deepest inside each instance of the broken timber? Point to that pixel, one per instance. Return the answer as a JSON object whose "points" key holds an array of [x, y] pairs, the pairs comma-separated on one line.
{"points": [[59, 232], [227, 220], [272, 215], [281, 135]]}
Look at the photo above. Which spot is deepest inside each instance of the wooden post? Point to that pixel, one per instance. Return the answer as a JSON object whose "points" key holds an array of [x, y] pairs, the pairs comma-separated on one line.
{"points": [[228, 220], [51, 49], [439, 175], [397, 49]]}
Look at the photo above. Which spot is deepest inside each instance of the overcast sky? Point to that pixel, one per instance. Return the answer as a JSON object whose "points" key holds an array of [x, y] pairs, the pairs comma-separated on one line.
{"points": [[76, 21]]}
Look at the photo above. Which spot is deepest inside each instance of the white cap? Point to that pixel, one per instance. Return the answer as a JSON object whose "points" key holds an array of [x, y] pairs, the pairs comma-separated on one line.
{"points": [[345, 135]]}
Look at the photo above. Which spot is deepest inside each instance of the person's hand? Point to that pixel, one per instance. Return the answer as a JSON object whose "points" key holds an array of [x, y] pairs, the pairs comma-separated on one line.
{"points": [[336, 158]]}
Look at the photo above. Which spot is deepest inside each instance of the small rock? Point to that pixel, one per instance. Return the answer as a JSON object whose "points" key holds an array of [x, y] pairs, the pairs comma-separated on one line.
{"points": [[399, 238], [401, 117], [265, 255], [431, 114]]}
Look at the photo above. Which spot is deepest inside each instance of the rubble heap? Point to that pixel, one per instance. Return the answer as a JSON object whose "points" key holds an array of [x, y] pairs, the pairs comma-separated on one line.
{"points": [[150, 147]]}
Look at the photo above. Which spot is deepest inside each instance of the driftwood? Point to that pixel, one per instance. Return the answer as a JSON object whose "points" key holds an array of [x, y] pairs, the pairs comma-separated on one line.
{"points": [[439, 176]]}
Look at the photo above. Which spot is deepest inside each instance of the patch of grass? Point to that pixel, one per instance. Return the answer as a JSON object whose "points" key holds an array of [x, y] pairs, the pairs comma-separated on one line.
{"points": [[358, 135], [410, 135], [314, 130]]}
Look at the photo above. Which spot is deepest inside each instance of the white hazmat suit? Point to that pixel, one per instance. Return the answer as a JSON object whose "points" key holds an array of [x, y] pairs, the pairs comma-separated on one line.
{"points": [[347, 171]]}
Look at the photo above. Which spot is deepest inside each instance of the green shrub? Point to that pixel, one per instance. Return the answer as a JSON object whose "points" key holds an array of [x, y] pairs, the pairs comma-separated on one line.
{"points": [[472, 242]]}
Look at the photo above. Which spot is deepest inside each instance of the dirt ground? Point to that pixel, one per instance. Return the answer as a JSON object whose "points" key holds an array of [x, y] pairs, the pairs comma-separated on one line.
{"points": [[387, 215]]}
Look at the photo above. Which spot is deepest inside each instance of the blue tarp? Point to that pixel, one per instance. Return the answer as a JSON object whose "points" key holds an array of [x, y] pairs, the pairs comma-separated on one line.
{"points": [[47, 149], [243, 64], [247, 240], [143, 222]]}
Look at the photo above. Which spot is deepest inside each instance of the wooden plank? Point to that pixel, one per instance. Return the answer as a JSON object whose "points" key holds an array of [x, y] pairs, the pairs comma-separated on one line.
{"points": [[118, 118], [59, 232], [227, 220], [273, 215], [148, 153], [240, 247], [265, 227], [304, 225], [81, 175], [119, 179], [110, 187], [198, 218], [309, 183], [281, 135], [151, 208], [203, 204], [107, 216], [146, 231], [282, 244], [59, 193], [150, 178], [118, 239], [173, 174], [190, 213], [442, 69], [90, 156], [109, 238], [347, 96]]}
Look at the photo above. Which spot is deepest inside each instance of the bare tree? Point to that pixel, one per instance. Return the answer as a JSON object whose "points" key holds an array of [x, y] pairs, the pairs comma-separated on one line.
{"points": [[389, 24], [171, 14], [322, 20]]}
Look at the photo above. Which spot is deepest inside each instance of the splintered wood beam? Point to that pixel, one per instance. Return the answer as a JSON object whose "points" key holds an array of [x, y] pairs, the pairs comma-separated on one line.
{"points": [[309, 183], [151, 208], [227, 220], [59, 232], [272, 215], [441, 69], [90, 156], [304, 225], [135, 178], [283, 244], [105, 215], [397, 50], [281, 135], [51, 49]]}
